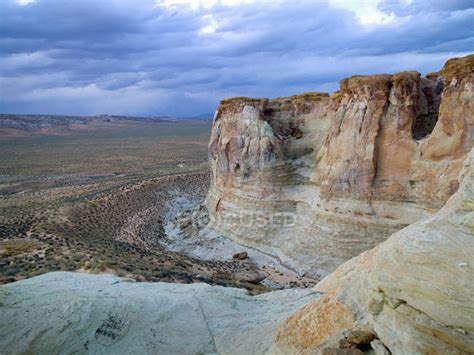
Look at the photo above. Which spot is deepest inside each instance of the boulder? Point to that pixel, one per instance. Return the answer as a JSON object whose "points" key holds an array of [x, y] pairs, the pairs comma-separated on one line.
{"points": [[240, 256], [185, 222]]}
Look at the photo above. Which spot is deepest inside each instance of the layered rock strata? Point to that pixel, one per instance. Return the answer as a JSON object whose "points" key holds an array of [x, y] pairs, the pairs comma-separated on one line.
{"points": [[414, 292], [317, 179]]}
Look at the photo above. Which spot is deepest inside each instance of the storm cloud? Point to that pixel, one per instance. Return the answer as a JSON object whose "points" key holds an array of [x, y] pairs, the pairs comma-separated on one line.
{"points": [[180, 57]]}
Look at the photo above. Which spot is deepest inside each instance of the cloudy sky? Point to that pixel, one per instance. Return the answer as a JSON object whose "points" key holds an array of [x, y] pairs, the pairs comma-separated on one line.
{"points": [[180, 57]]}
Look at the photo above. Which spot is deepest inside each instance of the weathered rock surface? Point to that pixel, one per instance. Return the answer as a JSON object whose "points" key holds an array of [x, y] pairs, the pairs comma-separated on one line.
{"points": [[317, 179], [313, 179], [414, 292], [102, 314]]}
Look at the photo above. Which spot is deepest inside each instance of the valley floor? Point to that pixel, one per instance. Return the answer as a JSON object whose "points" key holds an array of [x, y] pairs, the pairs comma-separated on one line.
{"points": [[116, 201]]}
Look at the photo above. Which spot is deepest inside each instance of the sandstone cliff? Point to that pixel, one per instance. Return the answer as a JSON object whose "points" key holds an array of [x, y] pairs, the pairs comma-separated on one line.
{"points": [[317, 179], [414, 292]]}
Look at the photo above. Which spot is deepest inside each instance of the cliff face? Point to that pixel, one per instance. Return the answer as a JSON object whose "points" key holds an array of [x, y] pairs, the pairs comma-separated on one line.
{"points": [[318, 179], [413, 292]]}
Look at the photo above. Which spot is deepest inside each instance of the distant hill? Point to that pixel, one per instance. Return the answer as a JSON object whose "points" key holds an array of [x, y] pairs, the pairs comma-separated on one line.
{"points": [[21, 124], [203, 116]]}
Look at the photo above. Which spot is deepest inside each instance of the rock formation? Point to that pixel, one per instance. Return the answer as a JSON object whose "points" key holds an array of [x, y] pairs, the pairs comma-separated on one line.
{"points": [[66, 313], [414, 292], [317, 179], [313, 179]]}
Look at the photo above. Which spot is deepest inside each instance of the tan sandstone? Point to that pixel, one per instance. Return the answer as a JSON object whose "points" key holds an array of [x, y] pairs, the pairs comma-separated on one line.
{"points": [[414, 291], [317, 179]]}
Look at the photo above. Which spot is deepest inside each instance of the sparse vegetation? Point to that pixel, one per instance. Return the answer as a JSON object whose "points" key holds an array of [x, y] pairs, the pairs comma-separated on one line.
{"points": [[92, 201]]}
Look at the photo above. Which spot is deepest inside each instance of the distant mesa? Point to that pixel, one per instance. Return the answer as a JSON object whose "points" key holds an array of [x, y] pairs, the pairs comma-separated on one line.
{"points": [[27, 124]]}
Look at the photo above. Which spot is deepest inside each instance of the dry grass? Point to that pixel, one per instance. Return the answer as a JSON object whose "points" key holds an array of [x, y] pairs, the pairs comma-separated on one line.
{"points": [[16, 247]]}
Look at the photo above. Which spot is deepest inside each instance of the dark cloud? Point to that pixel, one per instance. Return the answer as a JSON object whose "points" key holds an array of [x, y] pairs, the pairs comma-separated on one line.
{"points": [[404, 8], [134, 57]]}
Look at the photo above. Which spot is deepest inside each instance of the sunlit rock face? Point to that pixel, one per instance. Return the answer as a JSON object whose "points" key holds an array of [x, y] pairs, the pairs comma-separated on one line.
{"points": [[413, 292], [317, 179]]}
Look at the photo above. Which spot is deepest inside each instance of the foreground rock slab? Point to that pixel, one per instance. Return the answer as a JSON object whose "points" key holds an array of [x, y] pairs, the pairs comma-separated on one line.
{"points": [[64, 312]]}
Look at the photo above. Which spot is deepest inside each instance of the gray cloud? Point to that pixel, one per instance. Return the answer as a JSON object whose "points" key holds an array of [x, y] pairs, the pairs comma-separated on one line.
{"points": [[133, 57]]}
